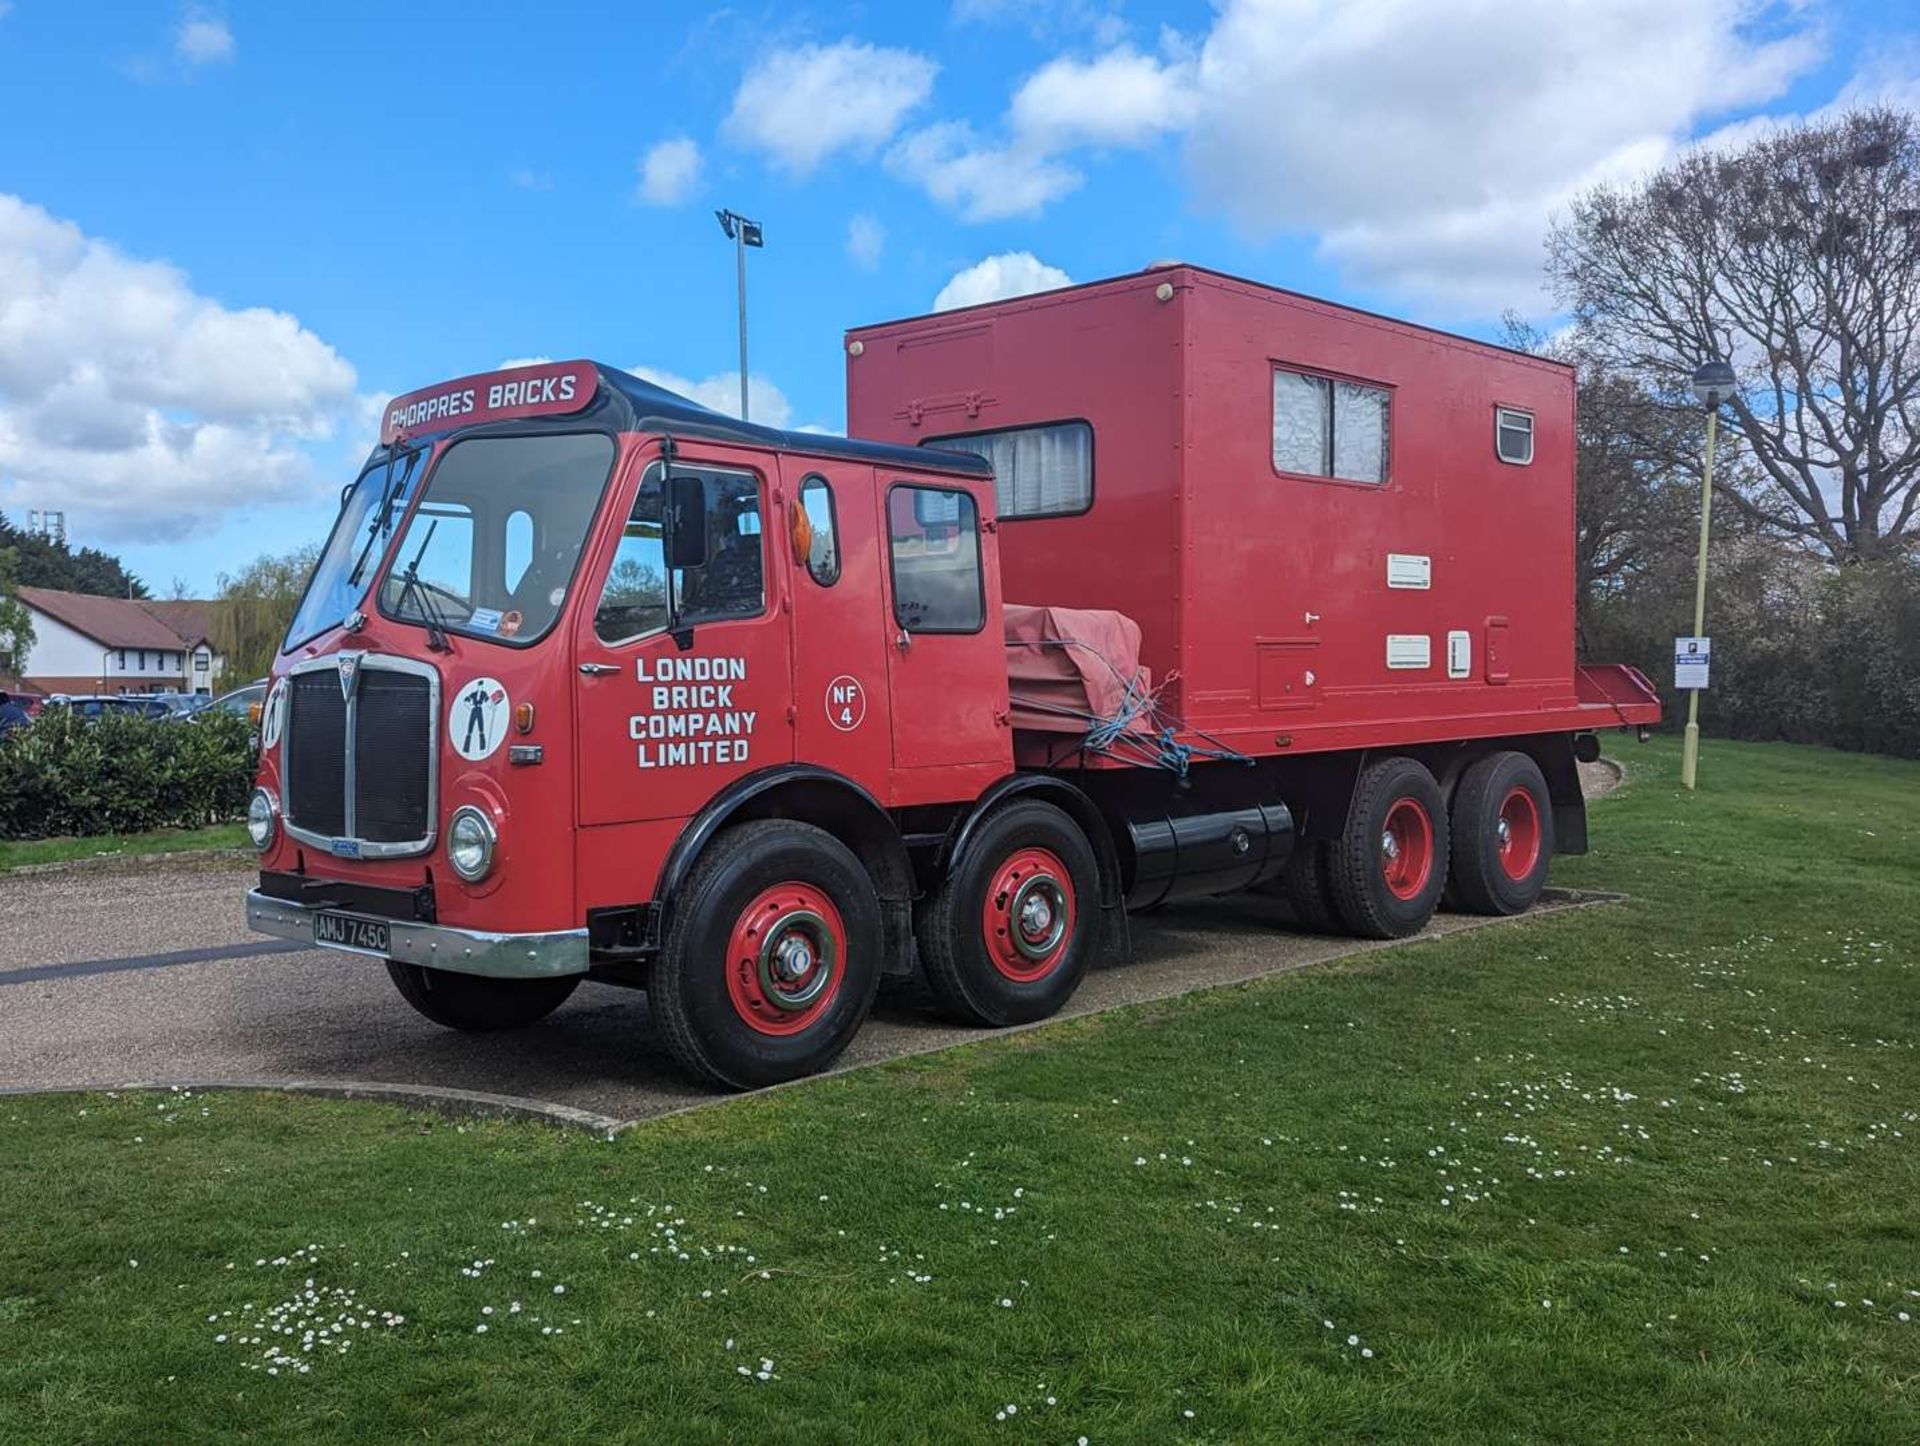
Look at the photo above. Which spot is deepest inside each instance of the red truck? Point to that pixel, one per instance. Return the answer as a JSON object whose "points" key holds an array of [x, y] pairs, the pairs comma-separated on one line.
{"points": [[591, 682]]}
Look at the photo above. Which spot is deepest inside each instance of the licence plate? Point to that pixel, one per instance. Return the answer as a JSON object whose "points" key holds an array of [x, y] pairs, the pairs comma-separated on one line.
{"points": [[350, 931]]}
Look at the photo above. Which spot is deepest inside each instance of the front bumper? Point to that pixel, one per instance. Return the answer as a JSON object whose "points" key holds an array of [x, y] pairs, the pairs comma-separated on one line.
{"points": [[435, 946]]}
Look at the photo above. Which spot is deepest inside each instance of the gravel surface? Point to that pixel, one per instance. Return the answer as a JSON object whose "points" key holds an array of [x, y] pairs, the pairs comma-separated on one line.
{"points": [[312, 1015]]}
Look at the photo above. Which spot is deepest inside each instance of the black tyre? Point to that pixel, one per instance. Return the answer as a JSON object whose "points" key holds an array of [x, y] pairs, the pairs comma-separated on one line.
{"points": [[476, 1003], [1009, 934], [772, 958], [1502, 835], [1305, 887], [1390, 863]]}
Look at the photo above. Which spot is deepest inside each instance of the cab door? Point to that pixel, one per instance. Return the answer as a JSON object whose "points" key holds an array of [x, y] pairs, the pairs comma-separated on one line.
{"points": [[837, 560], [662, 728], [946, 662]]}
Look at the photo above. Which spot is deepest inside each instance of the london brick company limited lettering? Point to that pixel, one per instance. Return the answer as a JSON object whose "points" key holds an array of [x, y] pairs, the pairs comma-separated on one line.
{"points": [[694, 720]]}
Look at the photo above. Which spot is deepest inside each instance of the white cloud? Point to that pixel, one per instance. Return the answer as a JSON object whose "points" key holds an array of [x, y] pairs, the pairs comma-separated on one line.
{"points": [[866, 239], [1047, 18], [721, 392], [669, 172], [802, 105], [143, 407], [1011, 273], [1122, 98], [1424, 146], [982, 182], [1427, 146], [203, 39]]}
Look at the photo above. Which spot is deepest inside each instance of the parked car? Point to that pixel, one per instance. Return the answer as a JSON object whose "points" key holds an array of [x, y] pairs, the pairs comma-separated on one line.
{"points": [[139, 705], [242, 702]]}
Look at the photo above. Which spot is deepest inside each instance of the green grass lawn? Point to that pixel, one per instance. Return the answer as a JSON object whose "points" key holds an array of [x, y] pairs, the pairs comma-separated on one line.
{"points": [[1638, 1173], [18, 853]]}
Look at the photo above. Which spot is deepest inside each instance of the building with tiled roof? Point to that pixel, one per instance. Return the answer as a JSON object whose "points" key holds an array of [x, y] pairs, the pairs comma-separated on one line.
{"points": [[88, 644]]}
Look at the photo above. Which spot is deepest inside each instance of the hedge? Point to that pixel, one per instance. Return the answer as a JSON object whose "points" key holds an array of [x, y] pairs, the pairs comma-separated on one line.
{"points": [[66, 776], [1801, 653]]}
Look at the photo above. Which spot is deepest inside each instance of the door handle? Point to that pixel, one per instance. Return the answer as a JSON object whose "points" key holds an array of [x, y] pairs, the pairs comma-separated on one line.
{"points": [[903, 640], [597, 670]]}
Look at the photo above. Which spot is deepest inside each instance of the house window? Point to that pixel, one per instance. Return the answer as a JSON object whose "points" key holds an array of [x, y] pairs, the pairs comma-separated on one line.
{"points": [[143, 660], [122, 664], [934, 535], [203, 661], [1328, 428], [1044, 471], [1513, 435]]}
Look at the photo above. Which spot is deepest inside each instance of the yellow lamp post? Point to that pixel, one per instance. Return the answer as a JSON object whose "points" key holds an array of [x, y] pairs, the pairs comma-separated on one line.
{"points": [[1712, 384]]}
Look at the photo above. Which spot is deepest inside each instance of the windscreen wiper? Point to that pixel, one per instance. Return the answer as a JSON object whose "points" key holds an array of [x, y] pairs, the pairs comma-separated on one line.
{"points": [[381, 523], [421, 596]]}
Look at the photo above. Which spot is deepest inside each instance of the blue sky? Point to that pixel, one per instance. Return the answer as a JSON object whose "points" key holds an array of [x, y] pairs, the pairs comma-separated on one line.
{"points": [[227, 232]]}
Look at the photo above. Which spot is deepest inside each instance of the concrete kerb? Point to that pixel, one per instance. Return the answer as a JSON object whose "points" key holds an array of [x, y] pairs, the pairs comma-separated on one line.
{"points": [[454, 1103], [475, 1104]]}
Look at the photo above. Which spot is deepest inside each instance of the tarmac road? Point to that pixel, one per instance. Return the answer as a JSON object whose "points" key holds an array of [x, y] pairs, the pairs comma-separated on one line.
{"points": [[116, 974]]}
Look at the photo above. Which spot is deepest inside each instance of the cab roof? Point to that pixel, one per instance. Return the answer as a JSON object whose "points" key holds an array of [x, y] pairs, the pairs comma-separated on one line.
{"points": [[563, 392]]}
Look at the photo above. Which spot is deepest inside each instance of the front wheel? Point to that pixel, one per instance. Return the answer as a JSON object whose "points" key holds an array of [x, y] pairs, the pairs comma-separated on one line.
{"points": [[476, 1003], [1008, 935], [772, 959]]}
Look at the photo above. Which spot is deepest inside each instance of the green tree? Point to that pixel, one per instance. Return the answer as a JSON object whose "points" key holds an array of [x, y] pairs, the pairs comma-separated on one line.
{"points": [[46, 563], [253, 607], [16, 623]]}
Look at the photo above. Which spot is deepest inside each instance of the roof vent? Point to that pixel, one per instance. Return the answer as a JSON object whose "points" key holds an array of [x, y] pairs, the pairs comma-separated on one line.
{"points": [[1163, 263]]}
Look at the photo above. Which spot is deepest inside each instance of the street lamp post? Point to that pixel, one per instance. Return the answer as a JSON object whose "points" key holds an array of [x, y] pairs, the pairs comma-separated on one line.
{"points": [[1712, 385], [743, 233]]}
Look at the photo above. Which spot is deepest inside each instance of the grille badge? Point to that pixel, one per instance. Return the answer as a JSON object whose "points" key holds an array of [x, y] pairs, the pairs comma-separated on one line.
{"points": [[349, 664]]}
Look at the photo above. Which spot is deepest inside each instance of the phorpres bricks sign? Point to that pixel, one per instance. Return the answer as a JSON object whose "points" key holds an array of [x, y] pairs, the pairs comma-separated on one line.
{"points": [[550, 388]]}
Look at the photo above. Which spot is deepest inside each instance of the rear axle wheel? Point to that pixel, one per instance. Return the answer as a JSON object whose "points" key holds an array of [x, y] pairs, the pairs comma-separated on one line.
{"points": [[1502, 835], [1390, 863]]}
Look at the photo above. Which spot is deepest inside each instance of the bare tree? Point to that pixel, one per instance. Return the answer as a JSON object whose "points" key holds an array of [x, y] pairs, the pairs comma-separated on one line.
{"points": [[1797, 259]]}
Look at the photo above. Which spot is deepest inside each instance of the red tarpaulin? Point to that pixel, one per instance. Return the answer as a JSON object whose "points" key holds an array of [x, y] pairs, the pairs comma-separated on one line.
{"points": [[1067, 667]]}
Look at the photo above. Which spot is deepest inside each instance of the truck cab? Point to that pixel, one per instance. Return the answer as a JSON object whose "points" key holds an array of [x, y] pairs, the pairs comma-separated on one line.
{"points": [[563, 618]]}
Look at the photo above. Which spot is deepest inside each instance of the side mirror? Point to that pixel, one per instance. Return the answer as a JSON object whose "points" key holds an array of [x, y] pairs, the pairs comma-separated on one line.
{"points": [[687, 516]]}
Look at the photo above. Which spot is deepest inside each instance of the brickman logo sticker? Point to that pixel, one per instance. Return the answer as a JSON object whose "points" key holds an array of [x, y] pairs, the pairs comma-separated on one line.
{"points": [[478, 720], [846, 703]]}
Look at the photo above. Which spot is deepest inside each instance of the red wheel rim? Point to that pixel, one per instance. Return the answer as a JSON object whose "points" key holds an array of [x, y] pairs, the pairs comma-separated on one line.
{"points": [[1028, 916], [785, 958], [1517, 833], [1406, 849]]}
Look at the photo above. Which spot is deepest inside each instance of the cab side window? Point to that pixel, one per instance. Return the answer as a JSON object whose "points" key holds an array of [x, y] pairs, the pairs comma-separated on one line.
{"points": [[934, 539], [731, 583]]}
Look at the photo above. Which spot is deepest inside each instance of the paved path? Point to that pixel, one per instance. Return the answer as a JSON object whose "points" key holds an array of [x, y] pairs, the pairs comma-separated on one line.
{"points": [[121, 974]]}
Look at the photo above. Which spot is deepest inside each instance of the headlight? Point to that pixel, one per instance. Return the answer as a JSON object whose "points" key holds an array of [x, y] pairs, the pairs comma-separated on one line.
{"points": [[263, 819], [470, 842]]}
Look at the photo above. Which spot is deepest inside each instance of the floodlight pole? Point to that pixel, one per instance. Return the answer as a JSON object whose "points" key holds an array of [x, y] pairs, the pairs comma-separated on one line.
{"points": [[740, 268], [742, 233]]}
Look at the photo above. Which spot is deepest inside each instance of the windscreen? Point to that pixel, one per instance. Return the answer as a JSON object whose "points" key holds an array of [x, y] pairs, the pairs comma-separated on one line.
{"points": [[352, 554], [492, 548]]}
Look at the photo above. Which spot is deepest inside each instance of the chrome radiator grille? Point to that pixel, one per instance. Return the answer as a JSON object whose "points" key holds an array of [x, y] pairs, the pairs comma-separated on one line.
{"points": [[359, 761]]}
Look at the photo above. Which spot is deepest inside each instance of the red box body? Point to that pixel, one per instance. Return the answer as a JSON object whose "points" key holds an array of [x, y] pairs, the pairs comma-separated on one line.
{"points": [[1266, 596]]}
